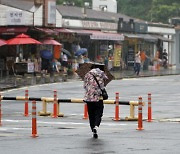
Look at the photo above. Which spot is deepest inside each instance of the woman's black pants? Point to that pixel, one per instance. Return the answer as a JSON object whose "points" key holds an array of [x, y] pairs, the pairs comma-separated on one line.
{"points": [[95, 112]]}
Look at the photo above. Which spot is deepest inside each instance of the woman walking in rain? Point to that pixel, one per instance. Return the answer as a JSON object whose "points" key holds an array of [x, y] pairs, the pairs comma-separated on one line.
{"points": [[93, 96]]}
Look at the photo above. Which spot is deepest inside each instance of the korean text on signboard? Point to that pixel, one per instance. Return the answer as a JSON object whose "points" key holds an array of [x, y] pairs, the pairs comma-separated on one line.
{"points": [[15, 18]]}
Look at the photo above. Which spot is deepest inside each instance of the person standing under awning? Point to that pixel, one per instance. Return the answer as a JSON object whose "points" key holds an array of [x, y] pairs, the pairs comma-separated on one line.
{"points": [[137, 65]]}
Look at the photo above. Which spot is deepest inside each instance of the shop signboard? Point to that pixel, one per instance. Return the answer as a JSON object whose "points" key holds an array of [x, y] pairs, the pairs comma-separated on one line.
{"points": [[141, 27], [30, 68], [15, 18], [86, 24], [126, 26], [130, 57], [117, 55]]}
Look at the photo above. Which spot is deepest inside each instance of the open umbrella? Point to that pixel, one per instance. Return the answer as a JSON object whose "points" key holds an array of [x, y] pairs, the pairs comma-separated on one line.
{"points": [[86, 67], [81, 51], [66, 52], [46, 54], [22, 39], [50, 41], [2, 42]]}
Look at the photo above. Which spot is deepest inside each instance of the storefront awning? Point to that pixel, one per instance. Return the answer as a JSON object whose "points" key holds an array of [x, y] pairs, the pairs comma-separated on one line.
{"points": [[63, 30], [12, 30], [162, 38], [131, 35], [82, 32], [74, 31], [97, 35], [147, 37], [94, 35], [46, 30]]}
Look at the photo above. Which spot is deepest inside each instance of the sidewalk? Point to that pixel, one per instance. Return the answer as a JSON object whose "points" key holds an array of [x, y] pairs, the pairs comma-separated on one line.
{"points": [[144, 73], [11, 82]]}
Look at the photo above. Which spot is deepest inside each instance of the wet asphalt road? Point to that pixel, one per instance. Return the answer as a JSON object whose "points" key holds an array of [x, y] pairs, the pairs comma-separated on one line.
{"points": [[71, 134]]}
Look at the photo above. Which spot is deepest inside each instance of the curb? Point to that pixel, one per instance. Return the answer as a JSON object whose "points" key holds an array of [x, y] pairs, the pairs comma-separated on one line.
{"points": [[7, 87]]}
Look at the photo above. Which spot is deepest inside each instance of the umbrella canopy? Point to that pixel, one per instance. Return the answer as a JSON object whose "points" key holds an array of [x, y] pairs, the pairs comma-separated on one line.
{"points": [[22, 39], [2, 42], [46, 54], [66, 52], [81, 51], [51, 42], [86, 67]]}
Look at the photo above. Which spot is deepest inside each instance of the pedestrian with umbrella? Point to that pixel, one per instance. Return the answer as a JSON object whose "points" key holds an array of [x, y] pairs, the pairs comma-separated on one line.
{"points": [[81, 51], [46, 56], [94, 82]]}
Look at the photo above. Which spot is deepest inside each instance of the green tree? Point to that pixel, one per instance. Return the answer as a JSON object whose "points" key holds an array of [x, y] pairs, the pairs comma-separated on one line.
{"points": [[162, 10], [149, 10], [135, 8]]}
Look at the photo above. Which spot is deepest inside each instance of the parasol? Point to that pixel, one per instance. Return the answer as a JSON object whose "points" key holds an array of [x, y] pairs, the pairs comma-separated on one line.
{"points": [[2, 42], [22, 39], [50, 41], [86, 67]]}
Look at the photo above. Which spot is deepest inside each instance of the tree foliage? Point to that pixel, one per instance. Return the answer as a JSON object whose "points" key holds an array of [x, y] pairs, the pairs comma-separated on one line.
{"points": [[149, 10], [135, 8], [162, 10]]}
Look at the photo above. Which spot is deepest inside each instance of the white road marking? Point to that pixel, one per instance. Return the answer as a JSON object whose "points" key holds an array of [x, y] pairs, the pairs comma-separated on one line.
{"points": [[13, 128], [130, 79], [68, 123]]}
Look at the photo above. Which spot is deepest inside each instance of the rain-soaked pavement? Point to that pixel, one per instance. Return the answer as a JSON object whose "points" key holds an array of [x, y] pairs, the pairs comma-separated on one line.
{"points": [[71, 134]]}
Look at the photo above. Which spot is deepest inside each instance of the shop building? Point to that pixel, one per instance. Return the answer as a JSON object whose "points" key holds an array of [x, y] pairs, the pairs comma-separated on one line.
{"points": [[108, 36], [176, 22], [138, 34], [31, 17], [165, 35]]}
